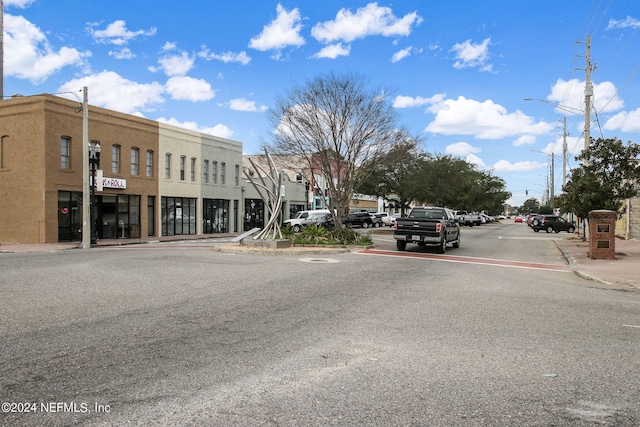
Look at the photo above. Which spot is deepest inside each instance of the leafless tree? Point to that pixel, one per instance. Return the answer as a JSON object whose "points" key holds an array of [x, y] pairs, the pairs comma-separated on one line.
{"points": [[336, 126]]}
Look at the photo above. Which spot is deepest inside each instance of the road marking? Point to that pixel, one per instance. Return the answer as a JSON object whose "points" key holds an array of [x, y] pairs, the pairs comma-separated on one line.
{"points": [[632, 326], [468, 260]]}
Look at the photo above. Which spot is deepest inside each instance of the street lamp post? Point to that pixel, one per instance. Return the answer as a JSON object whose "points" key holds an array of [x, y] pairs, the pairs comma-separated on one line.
{"points": [[94, 161]]}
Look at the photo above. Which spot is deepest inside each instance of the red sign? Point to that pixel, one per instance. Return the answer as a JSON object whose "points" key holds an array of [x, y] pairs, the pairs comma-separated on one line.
{"points": [[64, 210]]}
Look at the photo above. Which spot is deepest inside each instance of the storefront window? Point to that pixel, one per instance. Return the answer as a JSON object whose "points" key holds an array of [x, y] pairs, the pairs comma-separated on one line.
{"points": [[178, 216], [215, 216]]}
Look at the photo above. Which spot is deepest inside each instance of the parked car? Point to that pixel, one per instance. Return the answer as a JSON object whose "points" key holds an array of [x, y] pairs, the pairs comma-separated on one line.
{"points": [[357, 219], [519, 219], [377, 222], [393, 218], [384, 218], [323, 219], [299, 217], [551, 223]]}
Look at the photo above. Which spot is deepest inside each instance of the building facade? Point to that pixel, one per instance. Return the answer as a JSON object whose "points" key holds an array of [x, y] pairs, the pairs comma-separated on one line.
{"points": [[153, 179]]}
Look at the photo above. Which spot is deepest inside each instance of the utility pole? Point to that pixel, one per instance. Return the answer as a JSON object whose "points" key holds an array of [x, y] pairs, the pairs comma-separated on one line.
{"points": [[588, 93], [553, 182], [86, 207], [564, 153]]}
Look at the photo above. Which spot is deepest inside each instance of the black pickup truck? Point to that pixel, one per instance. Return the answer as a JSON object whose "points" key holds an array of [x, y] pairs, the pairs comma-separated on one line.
{"points": [[433, 226]]}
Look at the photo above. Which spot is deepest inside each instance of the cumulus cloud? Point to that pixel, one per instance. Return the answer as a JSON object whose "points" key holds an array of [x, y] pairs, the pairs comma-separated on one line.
{"points": [[475, 160], [117, 33], [470, 55], [570, 97], [110, 90], [242, 104], [175, 65], [626, 121], [226, 57], [410, 102], [186, 88], [507, 166], [333, 51], [219, 130], [282, 32], [369, 20], [524, 139], [461, 149], [483, 120], [28, 54]]}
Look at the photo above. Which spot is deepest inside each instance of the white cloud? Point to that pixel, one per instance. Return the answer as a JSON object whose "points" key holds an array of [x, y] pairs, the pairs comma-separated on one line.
{"points": [[110, 90], [333, 51], [117, 33], [28, 54], [570, 96], [470, 55], [367, 21], [629, 22], [507, 166], [219, 130], [124, 53], [524, 140], [475, 160], [225, 57], [175, 65], [410, 102], [18, 3], [189, 89], [242, 104], [626, 121], [483, 120], [404, 53], [281, 32], [461, 149]]}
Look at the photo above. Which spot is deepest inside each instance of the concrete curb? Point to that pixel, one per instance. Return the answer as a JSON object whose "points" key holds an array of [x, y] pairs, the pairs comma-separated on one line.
{"points": [[293, 251], [580, 273]]}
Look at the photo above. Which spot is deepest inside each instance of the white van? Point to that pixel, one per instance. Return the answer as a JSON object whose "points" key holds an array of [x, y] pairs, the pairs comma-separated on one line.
{"points": [[299, 217]]}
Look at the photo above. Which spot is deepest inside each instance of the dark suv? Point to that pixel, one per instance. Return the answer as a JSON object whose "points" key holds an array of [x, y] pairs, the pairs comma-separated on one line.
{"points": [[358, 219], [551, 223]]}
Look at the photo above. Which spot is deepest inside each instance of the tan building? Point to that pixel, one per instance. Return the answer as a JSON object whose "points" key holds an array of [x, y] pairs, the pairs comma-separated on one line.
{"points": [[41, 164], [157, 179]]}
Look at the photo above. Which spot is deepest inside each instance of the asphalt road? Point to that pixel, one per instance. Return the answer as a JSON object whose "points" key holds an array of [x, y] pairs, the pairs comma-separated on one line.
{"points": [[496, 333]]}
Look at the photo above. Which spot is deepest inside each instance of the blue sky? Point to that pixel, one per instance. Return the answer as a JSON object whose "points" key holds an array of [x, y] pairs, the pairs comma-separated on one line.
{"points": [[457, 71]]}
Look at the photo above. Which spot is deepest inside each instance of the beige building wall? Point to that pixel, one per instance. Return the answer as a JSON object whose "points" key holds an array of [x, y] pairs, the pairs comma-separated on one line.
{"points": [[30, 161]]}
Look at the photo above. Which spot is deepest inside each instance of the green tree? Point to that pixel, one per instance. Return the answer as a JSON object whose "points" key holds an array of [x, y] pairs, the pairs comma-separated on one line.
{"points": [[394, 176], [530, 206], [609, 174]]}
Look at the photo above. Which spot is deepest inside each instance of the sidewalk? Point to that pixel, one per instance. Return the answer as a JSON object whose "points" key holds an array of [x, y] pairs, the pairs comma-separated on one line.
{"points": [[53, 247], [623, 271]]}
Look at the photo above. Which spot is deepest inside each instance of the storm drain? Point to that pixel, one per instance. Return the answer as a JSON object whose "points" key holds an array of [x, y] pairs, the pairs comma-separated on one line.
{"points": [[319, 260]]}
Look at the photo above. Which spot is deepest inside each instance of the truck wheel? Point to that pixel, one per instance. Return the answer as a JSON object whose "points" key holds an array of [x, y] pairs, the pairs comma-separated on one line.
{"points": [[296, 228], [571, 230], [549, 229], [365, 225], [442, 247], [401, 245], [456, 244]]}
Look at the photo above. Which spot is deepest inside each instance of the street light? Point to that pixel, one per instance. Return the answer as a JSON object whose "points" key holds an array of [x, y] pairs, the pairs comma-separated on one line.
{"points": [[94, 161]]}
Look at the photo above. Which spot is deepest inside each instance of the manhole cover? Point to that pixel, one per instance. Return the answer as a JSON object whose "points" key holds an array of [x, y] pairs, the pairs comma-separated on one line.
{"points": [[319, 260]]}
